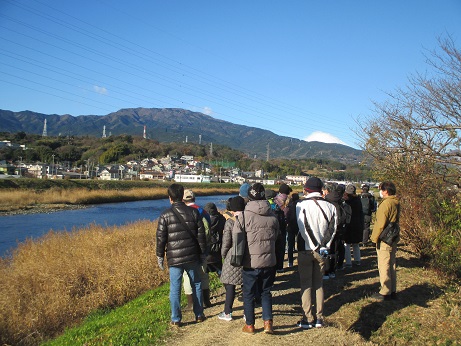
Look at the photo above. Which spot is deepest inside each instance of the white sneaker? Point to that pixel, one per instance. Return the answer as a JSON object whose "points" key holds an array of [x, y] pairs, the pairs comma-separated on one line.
{"points": [[225, 317]]}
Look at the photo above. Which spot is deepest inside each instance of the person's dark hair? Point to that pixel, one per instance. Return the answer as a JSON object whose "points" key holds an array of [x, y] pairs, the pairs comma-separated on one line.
{"points": [[295, 196], [389, 187], [175, 192]]}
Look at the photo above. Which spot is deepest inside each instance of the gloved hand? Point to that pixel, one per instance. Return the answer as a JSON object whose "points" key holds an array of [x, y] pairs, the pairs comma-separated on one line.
{"points": [[160, 262]]}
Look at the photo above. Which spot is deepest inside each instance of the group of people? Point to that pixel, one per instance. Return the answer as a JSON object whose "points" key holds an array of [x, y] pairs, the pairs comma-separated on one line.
{"points": [[328, 222]]}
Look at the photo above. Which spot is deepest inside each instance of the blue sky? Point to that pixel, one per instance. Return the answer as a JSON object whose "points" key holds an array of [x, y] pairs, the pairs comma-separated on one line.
{"points": [[297, 68]]}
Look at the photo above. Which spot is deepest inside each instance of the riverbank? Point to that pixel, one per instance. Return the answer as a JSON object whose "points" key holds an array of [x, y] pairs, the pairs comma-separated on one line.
{"points": [[31, 196]]}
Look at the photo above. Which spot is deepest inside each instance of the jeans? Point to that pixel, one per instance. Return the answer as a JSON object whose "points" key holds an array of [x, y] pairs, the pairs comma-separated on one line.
{"points": [[356, 249], [176, 273], [252, 278], [280, 245]]}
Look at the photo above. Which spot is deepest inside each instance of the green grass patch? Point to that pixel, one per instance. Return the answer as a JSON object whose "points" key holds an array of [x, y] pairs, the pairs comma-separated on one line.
{"points": [[143, 321]]}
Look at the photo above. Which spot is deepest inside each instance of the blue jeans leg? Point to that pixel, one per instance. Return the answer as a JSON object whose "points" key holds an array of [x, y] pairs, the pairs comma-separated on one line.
{"points": [[250, 281], [175, 293], [193, 271], [267, 276]]}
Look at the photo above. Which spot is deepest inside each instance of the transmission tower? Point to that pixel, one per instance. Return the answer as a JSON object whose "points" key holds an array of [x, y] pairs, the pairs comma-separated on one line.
{"points": [[44, 133]]}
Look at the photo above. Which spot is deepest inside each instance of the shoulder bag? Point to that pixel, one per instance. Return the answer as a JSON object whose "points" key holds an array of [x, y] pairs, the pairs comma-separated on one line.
{"points": [[239, 245], [390, 234]]}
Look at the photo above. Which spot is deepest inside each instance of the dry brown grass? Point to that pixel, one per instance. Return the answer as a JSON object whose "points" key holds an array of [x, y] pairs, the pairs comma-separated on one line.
{"points": [[13, 199], [53, 283]]}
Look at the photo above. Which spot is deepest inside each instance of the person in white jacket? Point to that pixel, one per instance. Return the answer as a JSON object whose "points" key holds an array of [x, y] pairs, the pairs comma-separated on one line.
{"points": [[317, 219]]}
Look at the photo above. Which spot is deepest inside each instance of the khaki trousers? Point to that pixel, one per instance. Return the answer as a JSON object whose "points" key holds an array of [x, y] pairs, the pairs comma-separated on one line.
{"points": [[387, 267], [311, 282]]}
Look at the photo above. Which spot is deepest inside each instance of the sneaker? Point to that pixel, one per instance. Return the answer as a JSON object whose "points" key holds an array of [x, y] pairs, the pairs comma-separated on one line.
{"points": [[394, 295], [326, 277], [175, 324], [304, 324], [319, 323], [268, 329], [356, 264], [248, 328], [341, 267], [200, 319], [348, 265], [279, 271], [379, 297], [332, 275], [225, 317]]}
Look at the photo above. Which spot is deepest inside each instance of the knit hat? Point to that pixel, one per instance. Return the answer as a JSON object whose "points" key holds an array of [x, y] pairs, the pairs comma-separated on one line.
{"points": [[313, 184], [350, 189], [365, 187], [270, 194], [256, 192], [188, 195], [237, 203], [244, 190], [284, 188]]}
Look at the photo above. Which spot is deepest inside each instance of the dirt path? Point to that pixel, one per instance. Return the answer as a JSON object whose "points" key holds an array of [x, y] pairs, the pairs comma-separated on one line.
{"points": [[287, 311]]}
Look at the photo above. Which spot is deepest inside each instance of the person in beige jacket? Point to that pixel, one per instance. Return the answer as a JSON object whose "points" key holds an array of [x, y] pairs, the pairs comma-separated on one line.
{"points": [[388, 211]]}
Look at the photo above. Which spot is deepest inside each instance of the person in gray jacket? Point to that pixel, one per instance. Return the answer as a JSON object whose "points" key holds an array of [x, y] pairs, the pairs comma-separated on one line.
{"points": [[230, 276], [260, 225]]}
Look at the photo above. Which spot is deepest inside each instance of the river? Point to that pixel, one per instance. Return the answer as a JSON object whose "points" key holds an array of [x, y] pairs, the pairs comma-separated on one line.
{"points": [[15, 229]]}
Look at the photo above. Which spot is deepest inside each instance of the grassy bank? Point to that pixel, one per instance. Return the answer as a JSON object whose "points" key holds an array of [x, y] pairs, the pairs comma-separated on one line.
{"points": [[28, 193], [105, 282], [53, 283]]}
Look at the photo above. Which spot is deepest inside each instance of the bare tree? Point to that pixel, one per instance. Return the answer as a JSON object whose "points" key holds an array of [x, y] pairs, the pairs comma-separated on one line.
{"points": [[414, 138]]}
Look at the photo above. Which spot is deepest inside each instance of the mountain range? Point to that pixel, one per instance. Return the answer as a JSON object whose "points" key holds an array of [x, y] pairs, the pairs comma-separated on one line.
{"points": [[173, 125]]}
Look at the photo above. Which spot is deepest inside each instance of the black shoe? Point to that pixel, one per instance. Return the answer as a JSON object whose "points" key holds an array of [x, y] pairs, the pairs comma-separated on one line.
{"points": [[394, 296]]}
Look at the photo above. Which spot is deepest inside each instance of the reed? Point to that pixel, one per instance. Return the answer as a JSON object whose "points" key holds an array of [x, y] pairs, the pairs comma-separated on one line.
{"points": [[13, 199], [52, 283]]}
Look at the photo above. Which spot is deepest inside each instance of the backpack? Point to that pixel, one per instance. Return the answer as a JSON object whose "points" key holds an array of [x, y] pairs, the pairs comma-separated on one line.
{"points": [[279, 214], [368, 203], [346, 212]]}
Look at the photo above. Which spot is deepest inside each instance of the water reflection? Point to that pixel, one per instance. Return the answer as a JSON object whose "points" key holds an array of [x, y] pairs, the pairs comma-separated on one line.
{"points": [[17, 228]]}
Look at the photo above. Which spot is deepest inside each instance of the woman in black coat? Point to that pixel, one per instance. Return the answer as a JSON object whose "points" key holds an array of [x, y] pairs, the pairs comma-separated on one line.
{"points": [[354, 230]]}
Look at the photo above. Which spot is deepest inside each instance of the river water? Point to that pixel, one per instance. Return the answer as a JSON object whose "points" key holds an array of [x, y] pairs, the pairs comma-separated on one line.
{"points": [[15, 229]]}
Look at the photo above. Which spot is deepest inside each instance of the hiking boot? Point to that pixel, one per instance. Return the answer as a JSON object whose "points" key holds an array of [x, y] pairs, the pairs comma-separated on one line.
{"points": [[248, 328], [268, 329], [304, 324], [319, 323], [225, 317], [200, 319], [175, 324]]}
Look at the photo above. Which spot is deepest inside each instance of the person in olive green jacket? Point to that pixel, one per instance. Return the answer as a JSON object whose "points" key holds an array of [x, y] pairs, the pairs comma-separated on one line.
{"points": [[388, 211]]}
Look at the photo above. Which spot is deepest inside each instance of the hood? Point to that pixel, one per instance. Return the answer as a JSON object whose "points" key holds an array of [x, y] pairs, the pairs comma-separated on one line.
{"points": [[260, 207], [211, 208]]}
